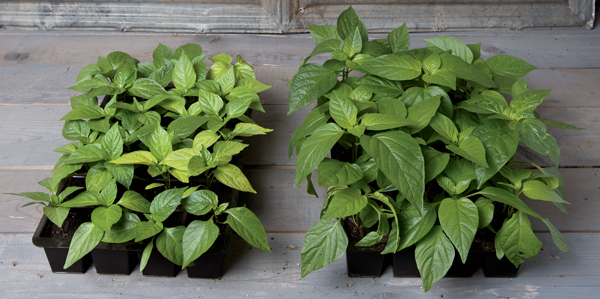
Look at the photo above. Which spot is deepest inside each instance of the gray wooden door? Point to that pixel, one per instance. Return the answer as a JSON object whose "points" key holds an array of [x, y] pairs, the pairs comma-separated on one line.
{"points": [[288, 16]]}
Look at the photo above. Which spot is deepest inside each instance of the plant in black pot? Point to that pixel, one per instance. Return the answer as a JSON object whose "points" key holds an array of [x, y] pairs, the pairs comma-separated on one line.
{"points": [[423, 146], [163, 133]]}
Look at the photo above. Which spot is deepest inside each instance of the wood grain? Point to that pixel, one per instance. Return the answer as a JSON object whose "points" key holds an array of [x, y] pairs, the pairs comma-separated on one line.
{"points": [[253, 273], [543, 49]]}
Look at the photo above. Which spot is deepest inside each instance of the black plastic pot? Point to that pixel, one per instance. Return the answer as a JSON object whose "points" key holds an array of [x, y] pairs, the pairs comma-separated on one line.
{"points": [[158, 265], [362, 262], [117, 259], [404, 263], [492, 267], [56, 249], [458, 269]]}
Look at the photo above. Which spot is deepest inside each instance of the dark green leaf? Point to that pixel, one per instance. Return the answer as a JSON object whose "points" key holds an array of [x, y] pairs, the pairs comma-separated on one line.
{"points": [[316, 118], [413, 226], [399, 157], [165, 203], [197, 239], [323, 33], [315, 148], [200, 202], [443, 44], [324, 243], [394, 67], [311, 82], [463, 70], [345, 203], [123, 230], [347, 21], [459, 220], [508, 66], [435, 162], [485, 208], [517, 240], [170, 242], [399, 39], [105, 217], [135, 202], [86, 237], [434, 255], [248, 226]]}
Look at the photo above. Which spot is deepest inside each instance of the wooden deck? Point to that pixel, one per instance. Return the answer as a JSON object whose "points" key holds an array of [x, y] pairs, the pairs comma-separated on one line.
{"points": [[36, 67]]}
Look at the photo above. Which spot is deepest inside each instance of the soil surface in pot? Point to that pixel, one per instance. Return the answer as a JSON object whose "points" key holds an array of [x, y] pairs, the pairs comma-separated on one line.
{"points": [[75, 218]]}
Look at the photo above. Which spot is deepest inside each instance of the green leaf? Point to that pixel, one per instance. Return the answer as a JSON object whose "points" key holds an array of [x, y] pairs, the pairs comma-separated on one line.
{"points": [[315, 148], [252, 84], [205, 138], [248, 226], [394, 67], [232, 176], [76, 130], [37, 196], [86, 237], [347, 21], [135, 202], [85, 154], [118, 58], [380, 122], [327, 46], [97, 178], [499, 148], [146, 89], [165, 203], [184, 76], [316, 118], [311, 82], [463, 70], [509, 66], [345, 203], [533, 134], [459, 220], [161, 53], [517, 240], [85, 198], [159, 143], [342, 110], [105, 217], [529, 100], [441, 77], [125, 75], [210, 102], [399, 157], [112, 143], [399, 39], [382, 87], [124, 230], [191, 50], [485, 208], [146, 255], [352, 43], [434, 255], [170, 242], [432, 63], [505, 197], [557, 237], [422, 112], [84, 112], [445, 127], [123, 173], [56, 214], [413, 226], [435, 162], [137, 157], [558, 124], [391, 106], [443, 44], [323, 33], [324, 243], [197, 239], [89, 82], [147, 229], [227, 149], [184, 126], [472, 149], [200, 202], [336, 173], [538, 190]]}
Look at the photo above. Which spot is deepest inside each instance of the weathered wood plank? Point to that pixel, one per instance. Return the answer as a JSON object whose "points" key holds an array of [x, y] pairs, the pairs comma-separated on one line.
{"points": [[27, 142], [48, 84], [283, 208], [543, 49], [256, 274]]}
